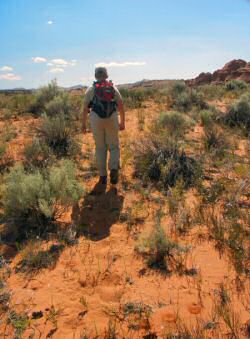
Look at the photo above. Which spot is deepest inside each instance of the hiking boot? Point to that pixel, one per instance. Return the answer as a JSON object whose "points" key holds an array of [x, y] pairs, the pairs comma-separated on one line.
{"points": [[114, 176], [103, 180]]}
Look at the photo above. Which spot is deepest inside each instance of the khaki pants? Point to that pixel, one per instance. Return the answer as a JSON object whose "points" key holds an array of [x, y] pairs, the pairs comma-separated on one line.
{"points": [[106, 135]]}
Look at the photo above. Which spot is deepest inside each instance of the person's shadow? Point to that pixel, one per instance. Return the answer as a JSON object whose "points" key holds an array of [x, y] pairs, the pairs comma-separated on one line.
{"points": [[98, 212]]}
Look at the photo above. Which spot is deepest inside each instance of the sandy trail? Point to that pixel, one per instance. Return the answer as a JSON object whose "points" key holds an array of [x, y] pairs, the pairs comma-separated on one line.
{"points": [[94, 280]]}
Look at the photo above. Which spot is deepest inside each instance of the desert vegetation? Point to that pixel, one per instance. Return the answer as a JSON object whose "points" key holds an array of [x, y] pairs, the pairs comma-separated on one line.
{"points": [[164, 256]]}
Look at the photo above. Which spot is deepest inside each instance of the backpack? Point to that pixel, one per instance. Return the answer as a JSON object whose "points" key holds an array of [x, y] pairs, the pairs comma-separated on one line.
{"points": [[103, 103]]}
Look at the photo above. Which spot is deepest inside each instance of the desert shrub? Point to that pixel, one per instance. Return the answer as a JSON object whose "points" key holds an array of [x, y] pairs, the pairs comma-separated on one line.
{"points": [[183, 102], [6, 160], [4, 100], [238, 115], [197, 99], [163, 163], [179, 213], [152, 93], [215, 140], [76, 103], [43, 96], [236, 241], [229, 229], [13, 104], [133, 98], [38, 154], [212, 92], [20, 103], [141, 119], [160, 251], [211, 195], [33, 200], [35, 258], [57, 132], [178, 88], [175, 123], [206, 118], [59, 105], [235, 85], [6, 114], [184, 99], [9, 133], [19, 321]]}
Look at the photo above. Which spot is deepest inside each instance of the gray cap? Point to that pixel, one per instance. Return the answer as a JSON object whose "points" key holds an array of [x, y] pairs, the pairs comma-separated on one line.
{"points": [[101, 73]]}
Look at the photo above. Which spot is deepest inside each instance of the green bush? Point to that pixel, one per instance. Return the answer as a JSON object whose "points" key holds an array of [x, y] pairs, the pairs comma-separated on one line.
{"points": [[212, 92], [20, 103], [16, 103], [43, 96], [6, 160], [178, 88], [57, 132], [33, 200], [197, 100], [162, 162], [161, 251], [215, 141], [183, 102], [235, 85], [59, 105], [206, 118], [133, 98], [184, 99], [76, 104], [175, 123], [38, 154], [238, 115]]}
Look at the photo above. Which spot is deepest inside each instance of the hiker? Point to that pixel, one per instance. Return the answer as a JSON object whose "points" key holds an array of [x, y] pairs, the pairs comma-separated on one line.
{"points": [[103, 100]]}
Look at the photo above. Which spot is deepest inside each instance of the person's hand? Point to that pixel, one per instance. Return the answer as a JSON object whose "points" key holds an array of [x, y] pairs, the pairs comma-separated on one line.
{"points": [[84, 128], [122, 126]]}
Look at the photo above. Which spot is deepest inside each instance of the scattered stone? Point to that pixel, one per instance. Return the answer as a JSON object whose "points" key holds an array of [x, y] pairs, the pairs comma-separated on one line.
{"points": [[37, 315]]}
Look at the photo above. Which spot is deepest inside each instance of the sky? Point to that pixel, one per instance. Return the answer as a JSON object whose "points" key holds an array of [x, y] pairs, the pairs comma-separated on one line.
{"points": [[136, 39]]}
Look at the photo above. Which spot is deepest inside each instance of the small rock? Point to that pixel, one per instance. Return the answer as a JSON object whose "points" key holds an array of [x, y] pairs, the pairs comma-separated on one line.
{"points": [[37, 315]]}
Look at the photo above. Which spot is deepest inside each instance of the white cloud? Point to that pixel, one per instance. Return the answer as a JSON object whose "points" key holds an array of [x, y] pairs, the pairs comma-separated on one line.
{"points": [[120, 64], [62, 62], [10, 76], [39, 59], [56, 70], [6, 69], [50, 22]]}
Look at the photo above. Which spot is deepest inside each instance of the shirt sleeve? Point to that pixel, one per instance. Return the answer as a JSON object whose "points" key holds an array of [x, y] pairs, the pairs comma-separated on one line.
{"points": [[118, 96], [88, 97]]}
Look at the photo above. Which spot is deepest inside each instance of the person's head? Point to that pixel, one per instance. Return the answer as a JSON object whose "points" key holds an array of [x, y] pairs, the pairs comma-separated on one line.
{"points": [[101, 73]]}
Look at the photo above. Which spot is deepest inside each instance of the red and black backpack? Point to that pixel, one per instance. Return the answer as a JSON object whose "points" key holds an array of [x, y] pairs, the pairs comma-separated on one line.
{"points": [[103, 103]]}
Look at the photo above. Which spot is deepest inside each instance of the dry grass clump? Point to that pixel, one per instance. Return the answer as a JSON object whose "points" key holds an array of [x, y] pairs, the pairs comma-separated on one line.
{"points": [[173, 124], [227, 221], [160, 251], [34, 258], [163, 162], [235, 85], [238, 115], [185, 99]]}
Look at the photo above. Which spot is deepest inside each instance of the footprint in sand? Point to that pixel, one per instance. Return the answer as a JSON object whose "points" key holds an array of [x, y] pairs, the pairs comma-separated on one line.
{"points": [[109, 293], [162, 319], [194, 308]]}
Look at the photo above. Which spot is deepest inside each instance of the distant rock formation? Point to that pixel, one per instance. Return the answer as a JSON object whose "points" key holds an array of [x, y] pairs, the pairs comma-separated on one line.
{"points": [[235, 69]]}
